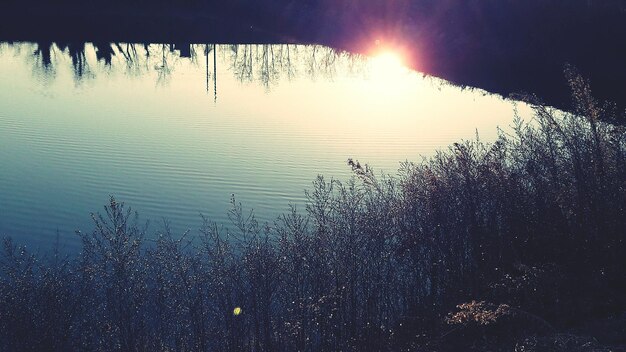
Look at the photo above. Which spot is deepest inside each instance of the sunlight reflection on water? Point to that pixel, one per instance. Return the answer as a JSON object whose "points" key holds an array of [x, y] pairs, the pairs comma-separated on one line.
{"points": [[174, 130]]}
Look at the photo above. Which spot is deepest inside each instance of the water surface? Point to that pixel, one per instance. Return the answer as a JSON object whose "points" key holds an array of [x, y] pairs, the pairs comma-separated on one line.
{"points": [[176, 130]]}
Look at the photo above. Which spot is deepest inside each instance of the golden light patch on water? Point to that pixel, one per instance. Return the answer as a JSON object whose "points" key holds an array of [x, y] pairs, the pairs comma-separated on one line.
{"points": [[260, 121], [387, 65]]}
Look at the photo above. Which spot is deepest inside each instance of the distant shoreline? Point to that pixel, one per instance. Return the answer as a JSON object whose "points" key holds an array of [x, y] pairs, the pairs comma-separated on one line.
{"points": [[489, 51], [153, 26]]}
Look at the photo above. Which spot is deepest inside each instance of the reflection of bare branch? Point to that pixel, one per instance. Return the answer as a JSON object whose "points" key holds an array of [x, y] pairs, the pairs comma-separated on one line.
{"points": [[192, 54], [123, 52], [267, 71], [80, 65], [163, 69], [264, 64], [43, 60], [215, 72], [207, 50], [323, 61], [286, 65], [243, 63], [312, 63], [43, 52], [79, 61], [136, 64], [356, 63], [104, 52]]}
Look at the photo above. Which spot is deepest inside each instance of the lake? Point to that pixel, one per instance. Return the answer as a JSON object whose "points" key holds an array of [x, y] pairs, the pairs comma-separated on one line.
{"points": [[175, 130]]}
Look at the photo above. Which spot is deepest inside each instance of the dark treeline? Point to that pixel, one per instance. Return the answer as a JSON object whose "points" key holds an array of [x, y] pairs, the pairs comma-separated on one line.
{"points": [[512, 245], [264, 63], [503, 46]]}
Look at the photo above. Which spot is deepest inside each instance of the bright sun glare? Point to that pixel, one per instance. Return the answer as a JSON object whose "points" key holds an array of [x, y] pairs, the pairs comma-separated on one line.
{"points": [[387, 65]]}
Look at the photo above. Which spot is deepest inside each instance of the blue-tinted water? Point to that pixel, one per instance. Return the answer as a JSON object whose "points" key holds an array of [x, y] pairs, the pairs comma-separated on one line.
{"points": [[175, 131]]}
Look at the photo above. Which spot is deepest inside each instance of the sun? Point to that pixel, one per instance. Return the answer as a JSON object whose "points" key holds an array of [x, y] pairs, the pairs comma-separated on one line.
{"points": [[387, 58], [387, 65]]}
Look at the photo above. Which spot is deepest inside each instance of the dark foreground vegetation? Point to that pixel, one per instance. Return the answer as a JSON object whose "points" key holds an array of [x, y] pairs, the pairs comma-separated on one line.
{"points": [[503, 46], [516, 245]]}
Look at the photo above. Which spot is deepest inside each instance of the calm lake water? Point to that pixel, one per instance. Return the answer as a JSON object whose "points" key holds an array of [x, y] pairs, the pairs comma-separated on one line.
{"points": [[175, 130]]}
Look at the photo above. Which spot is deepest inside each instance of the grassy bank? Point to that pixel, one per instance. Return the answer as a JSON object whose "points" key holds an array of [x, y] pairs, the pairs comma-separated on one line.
{"points": [[511, 245]]}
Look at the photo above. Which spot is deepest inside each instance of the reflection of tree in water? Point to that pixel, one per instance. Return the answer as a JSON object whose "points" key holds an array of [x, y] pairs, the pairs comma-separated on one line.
{"points": [[43, 59], [321, 62], [104, 53], [285, 65], [208, 50], [242, 62], [163, 67], [267, 68], [44, 53], [264, 64], [268, 63], [134, 57], [80, 64]]}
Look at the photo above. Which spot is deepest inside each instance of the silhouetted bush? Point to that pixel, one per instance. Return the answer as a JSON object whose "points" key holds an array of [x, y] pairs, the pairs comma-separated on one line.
{"points": [[533, 222]]}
